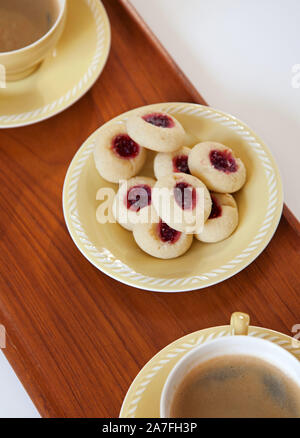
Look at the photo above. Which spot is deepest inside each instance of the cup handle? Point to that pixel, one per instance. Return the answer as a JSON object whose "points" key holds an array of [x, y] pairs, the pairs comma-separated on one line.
{"points": [[239, 323]]}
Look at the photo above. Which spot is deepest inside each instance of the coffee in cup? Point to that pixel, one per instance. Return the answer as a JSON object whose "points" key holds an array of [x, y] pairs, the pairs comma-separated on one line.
{"points": [[234, 376], [22, 22], [236, 386]]}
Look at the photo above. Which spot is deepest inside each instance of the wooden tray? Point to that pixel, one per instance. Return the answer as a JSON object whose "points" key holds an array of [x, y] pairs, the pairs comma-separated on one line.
{"points": [[77, 338]]}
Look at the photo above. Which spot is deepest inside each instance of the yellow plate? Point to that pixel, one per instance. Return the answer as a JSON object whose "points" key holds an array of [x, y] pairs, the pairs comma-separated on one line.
{"points": [[113, 250], [143, 397], [65, 75]]}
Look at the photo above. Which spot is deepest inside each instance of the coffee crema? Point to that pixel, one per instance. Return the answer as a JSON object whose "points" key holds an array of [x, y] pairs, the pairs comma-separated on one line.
{"points": [[22, 22], [236, 386]]}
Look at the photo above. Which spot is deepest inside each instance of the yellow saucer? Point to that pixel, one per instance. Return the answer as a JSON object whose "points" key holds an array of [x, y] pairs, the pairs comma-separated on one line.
{"points": [[143, 397], [113, 250], [65, 75]]}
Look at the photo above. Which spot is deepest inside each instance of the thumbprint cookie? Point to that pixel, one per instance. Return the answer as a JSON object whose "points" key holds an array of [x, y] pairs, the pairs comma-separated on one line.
{"points": [[155, 130], [132, 202], [182, 201], [169, 162], [117, 157], [161, 241], [216, 165], [222, 220]]}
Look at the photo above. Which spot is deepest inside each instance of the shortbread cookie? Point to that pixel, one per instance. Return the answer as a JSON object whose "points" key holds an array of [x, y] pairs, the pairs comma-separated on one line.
{"points": [[216, 165], [155, 130], [132, 202], [223, 219], [182, 201], [117, 156], [166, 163], [161, 241]]}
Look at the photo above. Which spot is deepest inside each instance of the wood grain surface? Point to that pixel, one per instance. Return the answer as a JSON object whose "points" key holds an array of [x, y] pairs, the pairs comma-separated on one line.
{"points": [[77, 338]]}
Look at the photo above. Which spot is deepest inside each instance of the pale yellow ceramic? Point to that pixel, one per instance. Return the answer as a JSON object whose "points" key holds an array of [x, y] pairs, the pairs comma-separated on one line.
{"points": [[239, 323], [143, 397], [113, 250], [20, 63], [67, 73]]}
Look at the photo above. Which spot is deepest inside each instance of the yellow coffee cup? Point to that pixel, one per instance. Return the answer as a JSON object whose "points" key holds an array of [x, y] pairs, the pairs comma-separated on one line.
{"points": [[17, 64]]}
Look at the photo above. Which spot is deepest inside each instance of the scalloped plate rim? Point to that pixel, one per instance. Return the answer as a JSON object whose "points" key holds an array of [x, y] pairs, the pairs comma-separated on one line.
{"points": [[85, 90], [197, 286], [182, 338]]}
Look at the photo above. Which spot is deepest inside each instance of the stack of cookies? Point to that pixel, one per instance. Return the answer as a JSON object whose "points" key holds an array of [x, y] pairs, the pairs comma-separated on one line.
{"points": [[163, 213]]}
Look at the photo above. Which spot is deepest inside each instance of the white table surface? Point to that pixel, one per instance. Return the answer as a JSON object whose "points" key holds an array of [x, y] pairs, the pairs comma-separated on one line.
{"points": [[243, 56], [14, 401]]}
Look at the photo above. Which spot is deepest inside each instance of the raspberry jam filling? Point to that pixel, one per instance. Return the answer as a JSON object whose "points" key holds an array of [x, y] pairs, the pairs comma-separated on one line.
{"points": [[160, 120], [167, 234], [185, 195], [223, 160], [180, 164], [138, 197], [125, 147], [216, 209]]}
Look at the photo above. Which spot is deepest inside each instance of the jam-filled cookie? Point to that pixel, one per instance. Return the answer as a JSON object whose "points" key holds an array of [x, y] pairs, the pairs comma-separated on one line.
{"points": [[117, 156], [182, 201], [159, 240], [169, 162], [155, 130], [132, 202], [222, 220], [216, 165]]}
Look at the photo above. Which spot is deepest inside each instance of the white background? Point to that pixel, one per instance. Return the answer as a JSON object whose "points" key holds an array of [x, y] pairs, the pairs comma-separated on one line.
{"points": [[14, 401], [239, 54]]}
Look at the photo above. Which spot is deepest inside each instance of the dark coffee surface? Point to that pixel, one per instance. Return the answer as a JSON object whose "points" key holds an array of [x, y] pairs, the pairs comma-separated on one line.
{"points": [[22, 22], [236, 386]]}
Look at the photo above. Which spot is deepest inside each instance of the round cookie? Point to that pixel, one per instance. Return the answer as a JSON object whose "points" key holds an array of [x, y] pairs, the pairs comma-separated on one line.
{"points": [[216, 165], [159, 240], [132, 202], [157, 131], [117, 157], [182, 201], [169, 162], [223, 219]]}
